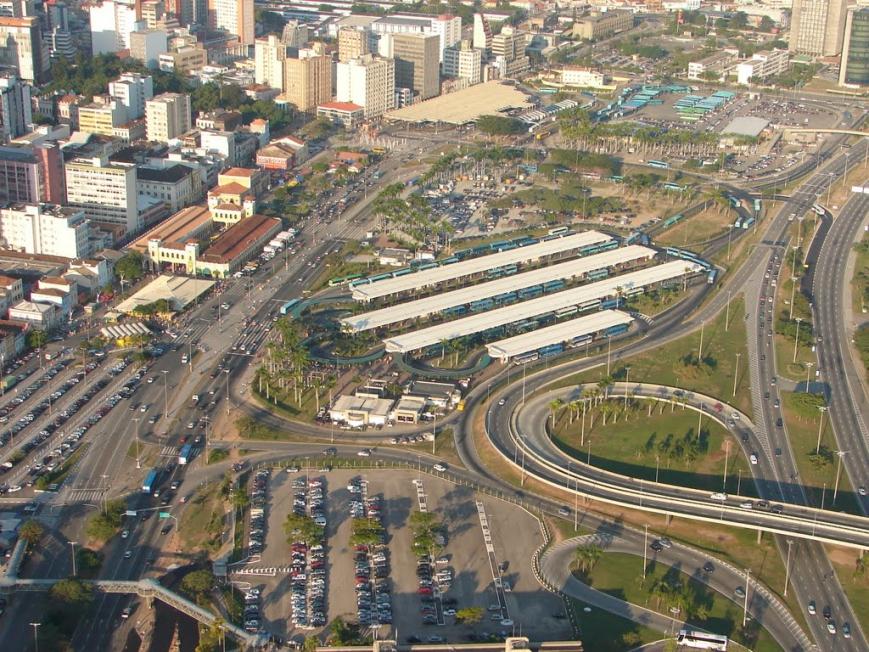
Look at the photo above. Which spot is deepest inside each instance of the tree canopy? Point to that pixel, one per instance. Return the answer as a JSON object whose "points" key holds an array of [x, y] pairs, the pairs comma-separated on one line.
{"points": [[496, 125]]}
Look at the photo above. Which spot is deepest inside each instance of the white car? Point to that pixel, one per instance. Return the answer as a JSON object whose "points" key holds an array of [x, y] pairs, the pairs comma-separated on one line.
{"points": [[364, 453], [125, 534], [439, 467], [753, 458]]}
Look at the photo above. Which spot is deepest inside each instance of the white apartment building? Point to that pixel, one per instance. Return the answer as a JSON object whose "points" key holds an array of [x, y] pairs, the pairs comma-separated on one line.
{"points": [[105, 191], [234, 16], [482, 34], [464, 62], [269, 56], [15, 108], [719, 63], [131, 91], [167, 116], [447, 28], [762, 65], [45, 229], [112, 21], [368, 82]]}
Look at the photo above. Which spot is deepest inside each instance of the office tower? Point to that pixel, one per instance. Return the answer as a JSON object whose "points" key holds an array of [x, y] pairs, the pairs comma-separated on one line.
{"points": [[167, 116], [295, 34], [105, 191], [22, 48], [269, 56], [57, 15], [482, 34], [449, 31], [854, 70], [464, 62], [368, 82], [132, 90], [101, 116], [32, 174], [112, 22], [152, 13], [308, 79], [352, 43], [818, 27], [416, 63], [147, 45], [45, 229], [15, 111], [447, 28], [509, 43], [233, 16]]}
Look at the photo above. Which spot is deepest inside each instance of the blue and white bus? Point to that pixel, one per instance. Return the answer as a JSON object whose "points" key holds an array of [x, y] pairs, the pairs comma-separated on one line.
{"points": [[288, 306]]}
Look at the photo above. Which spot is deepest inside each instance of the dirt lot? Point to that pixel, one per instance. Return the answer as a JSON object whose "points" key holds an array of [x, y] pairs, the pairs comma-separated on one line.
{"points": [[515, 536]]}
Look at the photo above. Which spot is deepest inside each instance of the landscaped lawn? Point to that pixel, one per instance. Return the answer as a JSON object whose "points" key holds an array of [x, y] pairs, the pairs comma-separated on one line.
{"points": [[620, 575], [667, 439], [697, 229], [675, 363], [602, 631]]}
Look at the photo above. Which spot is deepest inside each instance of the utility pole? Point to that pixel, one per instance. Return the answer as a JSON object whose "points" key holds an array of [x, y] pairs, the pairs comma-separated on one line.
{"points": [[793, 293], [823, 409], [727, 313], [226, 371], [700, 349], [138, 460], [35, 636], [165, 393], [72, 543], [726, 458], [645, 549], [745, 602], [840, 454]]}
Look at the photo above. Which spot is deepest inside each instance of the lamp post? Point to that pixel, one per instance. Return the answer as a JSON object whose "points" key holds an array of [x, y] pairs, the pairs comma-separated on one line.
{"points": [[165, 373], [645, 548], [745, 601], [823, 409], [138, 461], [72, 543], [736, 372], [793, 293], [35, 636], [840, 454], [809, 366], [788, 567], [797, 338], [226, 371], [627, 372]]}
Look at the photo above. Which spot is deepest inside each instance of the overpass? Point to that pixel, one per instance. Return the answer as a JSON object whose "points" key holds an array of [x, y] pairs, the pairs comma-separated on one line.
{"points": [[823, 130]]}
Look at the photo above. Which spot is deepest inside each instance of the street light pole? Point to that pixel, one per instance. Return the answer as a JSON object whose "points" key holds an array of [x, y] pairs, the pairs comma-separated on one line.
{"points": [[226, 371], [627, 372], [797, 338], [823, 409], [726, 458], [840, 454], [745, 602], [35, 636], [72, 543], [165, 393], [645, 548], [138, 461], [788, 567], [793, 293], [736, 372], [809, 366]]}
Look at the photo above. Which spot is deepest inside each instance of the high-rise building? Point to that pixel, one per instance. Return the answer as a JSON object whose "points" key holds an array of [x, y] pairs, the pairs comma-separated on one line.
{"points": [[482, 34], [22, 47], [101, 116], [152, 13], [59, 44], [269, 57], [308, 79], [854, 70], [15, 111], [352, 43], [368, 82], [447, 28], [45, 229], [233, 16], [132, 90], [105, 191], [818, 27], [509, 43], [147, 45], [295, 34], [464, 62], [112, 22], [167, 116], [417, 63], [30, 175]]}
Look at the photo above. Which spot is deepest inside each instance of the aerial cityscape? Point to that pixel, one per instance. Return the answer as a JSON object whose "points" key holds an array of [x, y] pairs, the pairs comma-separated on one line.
{"points": [[432, 326]]}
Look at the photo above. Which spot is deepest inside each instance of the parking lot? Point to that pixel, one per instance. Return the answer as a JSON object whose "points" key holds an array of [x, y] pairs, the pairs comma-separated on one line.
{"points": [[514, 535]]}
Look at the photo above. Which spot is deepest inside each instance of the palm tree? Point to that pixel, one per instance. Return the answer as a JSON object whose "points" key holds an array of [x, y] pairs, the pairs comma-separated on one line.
{"points": [[554, 406], [586, 556]]}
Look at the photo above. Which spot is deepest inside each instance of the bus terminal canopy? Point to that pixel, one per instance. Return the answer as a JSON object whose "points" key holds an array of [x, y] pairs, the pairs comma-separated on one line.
{"points": [[508, 348], [577, 296], [463, 106]]}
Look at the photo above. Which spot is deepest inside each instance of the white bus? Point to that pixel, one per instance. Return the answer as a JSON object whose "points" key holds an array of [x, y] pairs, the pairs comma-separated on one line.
{"points": [[701, 640]]}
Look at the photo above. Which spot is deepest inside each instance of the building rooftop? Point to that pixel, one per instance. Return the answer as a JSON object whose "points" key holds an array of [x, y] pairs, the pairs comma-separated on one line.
{"points": [[746, 126], [178, 290], [341, 106], [172, 174], [237, 238], [232, 188], [465, 105], [176, 230], [239, 172]]}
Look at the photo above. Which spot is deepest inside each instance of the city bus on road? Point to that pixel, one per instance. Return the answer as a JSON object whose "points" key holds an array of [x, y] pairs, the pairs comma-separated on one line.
{"points": [[288, 306], [150, 482]]}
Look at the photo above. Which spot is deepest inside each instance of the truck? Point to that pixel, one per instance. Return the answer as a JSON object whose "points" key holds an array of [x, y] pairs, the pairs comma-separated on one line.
{"points": [[150, 482], [9, 382]]}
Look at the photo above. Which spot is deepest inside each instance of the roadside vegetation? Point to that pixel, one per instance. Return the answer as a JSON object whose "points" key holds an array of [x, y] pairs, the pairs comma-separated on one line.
{"points": [[201, 524], [106, 523]]}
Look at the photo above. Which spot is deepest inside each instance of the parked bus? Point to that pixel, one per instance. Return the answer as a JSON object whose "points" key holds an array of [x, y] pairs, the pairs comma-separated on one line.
{"points": [[558, 230], [658, 164], [579, 340], [343, 280], [525, 358], [701, 640], [288, 306]]}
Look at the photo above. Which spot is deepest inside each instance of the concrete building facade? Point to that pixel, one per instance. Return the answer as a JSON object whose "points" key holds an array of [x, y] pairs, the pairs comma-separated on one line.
{"points": [[105, 191], [818, 27], [368, 82], [45, 229], [167, 116], [417, 64]]}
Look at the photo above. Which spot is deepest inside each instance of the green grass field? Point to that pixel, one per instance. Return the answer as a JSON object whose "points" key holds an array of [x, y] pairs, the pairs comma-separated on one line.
{"points": [[620, 575], [670, 364], [605, 632], [665, 439]]}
